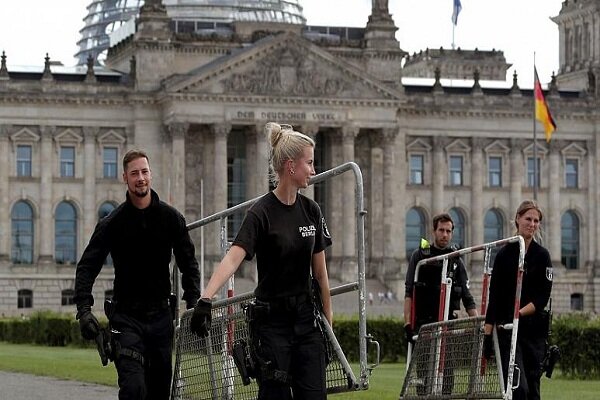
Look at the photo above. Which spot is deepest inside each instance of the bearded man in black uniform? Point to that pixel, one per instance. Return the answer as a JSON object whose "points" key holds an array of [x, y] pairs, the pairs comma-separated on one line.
{"points": [[427, 288], [140, 235]]}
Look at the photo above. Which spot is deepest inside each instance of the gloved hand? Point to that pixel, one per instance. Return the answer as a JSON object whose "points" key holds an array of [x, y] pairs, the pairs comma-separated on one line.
{"points": [[87, 323], [488, 347], [409, 333], [201, 318], [189, 304]]}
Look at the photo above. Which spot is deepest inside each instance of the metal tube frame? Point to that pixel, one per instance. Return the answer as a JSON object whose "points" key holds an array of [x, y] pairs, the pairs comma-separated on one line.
{"points": [[360, 285]]}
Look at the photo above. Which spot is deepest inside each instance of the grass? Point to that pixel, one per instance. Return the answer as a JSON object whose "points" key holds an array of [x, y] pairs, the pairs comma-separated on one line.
{"points": [[385, 383]]}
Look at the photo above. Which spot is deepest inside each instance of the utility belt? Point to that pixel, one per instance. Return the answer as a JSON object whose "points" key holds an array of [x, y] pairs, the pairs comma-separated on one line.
{"points": [[142, 308], [281, 305]]}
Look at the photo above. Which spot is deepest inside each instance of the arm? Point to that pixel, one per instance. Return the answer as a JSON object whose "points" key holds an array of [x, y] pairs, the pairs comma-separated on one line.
{"points": [[185, 256], [467, 297], [227, 267], [89, 266], [408, 286], [543, 284], [319, 270]]}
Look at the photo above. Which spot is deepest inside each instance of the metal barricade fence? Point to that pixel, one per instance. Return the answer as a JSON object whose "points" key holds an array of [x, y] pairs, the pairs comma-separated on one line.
{"points": [[204, 367], [447, 362]]}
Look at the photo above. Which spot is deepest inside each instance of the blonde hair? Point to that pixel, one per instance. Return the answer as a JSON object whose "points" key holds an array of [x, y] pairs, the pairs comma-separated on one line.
{"points": [[286, 144]]}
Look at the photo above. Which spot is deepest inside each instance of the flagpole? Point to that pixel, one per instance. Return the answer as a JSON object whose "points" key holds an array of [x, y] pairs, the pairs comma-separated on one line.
{"points": [[535, 164]]}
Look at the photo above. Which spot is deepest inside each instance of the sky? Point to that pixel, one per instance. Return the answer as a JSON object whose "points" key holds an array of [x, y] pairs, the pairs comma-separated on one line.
{"points": [[520, 28]]}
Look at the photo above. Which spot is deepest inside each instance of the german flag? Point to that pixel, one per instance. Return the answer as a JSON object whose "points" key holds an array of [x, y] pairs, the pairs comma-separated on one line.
{"points": [[542, 112]]}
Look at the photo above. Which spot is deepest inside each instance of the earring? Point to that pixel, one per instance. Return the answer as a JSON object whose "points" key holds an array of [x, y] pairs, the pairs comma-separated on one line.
{"points": [[292, 172]]}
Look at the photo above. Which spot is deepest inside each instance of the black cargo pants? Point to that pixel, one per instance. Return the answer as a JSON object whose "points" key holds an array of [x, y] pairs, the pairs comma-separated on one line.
{"points": [[143, 360], [290, 341]]}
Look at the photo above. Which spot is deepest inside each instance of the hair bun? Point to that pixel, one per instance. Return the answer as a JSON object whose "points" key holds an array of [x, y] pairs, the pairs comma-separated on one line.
{"points": [[273, 131]]}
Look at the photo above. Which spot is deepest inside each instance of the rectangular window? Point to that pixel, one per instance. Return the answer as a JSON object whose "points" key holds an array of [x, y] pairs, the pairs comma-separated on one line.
{"points": [[416, 170], [495, 171], [23, 160], [109, 157], [572, 173], [67, 161], [456, 170], [530, 172]]}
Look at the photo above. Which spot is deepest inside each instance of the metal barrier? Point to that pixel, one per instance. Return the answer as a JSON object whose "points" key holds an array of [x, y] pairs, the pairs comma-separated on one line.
{"points": [[204, 367], [447, 361]]}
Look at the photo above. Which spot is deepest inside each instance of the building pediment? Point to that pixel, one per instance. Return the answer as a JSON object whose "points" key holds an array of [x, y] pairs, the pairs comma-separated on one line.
{"points": [[573, 149], [285, 65], [497, 147], [458, 146], [24, 135], [419, 145]]}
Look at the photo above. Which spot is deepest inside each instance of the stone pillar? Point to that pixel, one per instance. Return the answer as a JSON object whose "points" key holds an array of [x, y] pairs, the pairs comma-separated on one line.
{"points": [[5, 223], [391, 246], [90, 214], [439, 176], [219, 185], [516, 181], [311, 131], [46, 219], [348, 205], [477, 173], [376, 210], [257, 180], [177, 131], [552, 241]]}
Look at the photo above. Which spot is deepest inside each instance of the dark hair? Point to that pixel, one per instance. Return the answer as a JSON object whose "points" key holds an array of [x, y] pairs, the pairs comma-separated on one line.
{"points": [[133, 154], [443, 217]]}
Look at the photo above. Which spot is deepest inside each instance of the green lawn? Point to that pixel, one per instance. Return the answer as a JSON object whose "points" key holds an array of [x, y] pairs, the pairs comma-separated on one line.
{"points": [[385, 383]]}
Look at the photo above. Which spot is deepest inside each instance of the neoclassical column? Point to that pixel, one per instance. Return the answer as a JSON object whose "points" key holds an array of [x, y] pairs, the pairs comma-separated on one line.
{"points": [[5, 224], [440, 174], [376, 214], [90, 215], [516, 179], [390, 219], [257, 164], [477, 172], [220, 132], [554, 185], [349, 133], [46, 218], [177, 131], [311, 131]]}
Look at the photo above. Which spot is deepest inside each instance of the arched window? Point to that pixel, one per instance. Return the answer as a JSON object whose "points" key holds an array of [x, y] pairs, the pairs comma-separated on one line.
{"points": [[67, 297], [415, 229], [22, 233], [577, 302], [493, 226], [105, 209], [493, 229], [65, 234], [459, 236], [24, 298], [569, 240]]}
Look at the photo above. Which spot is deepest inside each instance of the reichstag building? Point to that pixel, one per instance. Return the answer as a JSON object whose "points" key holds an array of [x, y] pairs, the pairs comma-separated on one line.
{"points": [[195, 89]]}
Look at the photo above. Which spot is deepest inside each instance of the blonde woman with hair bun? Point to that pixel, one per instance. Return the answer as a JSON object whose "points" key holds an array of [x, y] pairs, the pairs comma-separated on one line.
{"points": [[288, 234], [534, 320]]}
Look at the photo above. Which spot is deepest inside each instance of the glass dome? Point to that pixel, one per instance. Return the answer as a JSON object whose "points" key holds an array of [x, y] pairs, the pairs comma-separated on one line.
{"points": [[107, 16]]}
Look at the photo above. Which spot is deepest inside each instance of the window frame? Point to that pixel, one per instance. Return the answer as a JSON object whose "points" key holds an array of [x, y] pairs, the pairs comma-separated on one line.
{"points": [[495, 173], [24, 162], [31, 235], [67, 166], [412, 177], [575, 161], [454, 172]]}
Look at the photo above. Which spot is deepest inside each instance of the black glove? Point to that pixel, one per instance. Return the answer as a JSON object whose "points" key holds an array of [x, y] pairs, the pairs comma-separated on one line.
{"points": [[201, 318], [409, 333], [488, 347], [189, 304], [87, 323]]}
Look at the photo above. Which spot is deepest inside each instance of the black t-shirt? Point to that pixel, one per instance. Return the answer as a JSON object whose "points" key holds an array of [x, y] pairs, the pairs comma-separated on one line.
{"points": [[284, 238], [537, 282]]}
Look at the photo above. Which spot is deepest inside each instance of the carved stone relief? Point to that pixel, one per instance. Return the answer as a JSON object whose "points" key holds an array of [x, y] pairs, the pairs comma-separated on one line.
{"points": [[286, 71]]}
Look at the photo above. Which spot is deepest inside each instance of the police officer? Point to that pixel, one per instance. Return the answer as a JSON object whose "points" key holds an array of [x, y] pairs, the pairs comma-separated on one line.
{"points": [[288, 235], [535, 293], [140, 235], [427, 289]]}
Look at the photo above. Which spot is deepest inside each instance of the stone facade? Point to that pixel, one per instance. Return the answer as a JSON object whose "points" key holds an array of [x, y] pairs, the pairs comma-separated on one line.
{"points": [[198, 106]]}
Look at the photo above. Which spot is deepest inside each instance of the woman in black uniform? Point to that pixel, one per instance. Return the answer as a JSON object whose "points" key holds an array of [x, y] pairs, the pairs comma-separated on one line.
{"points": [[288, 234], [535, 293]]}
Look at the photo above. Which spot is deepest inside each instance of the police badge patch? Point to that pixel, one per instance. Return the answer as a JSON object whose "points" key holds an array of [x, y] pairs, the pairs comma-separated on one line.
{"points": [[549, 273]]}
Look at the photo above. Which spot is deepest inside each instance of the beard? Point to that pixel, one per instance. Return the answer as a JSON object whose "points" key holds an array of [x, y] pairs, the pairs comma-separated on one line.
{"points": [[142, 193]]}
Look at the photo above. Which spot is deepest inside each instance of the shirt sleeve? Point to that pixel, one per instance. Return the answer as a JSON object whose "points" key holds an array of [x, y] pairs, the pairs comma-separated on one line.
{"points": [[543, 277], [410, 274], [247, 236], [185, 256], [322, 237], [467, 297], [495, 289], [90, 264]]}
